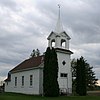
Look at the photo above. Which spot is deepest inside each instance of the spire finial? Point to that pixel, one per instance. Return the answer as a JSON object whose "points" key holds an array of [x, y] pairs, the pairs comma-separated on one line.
{"points": [[59, 5], [59, 11], [59, 27]]}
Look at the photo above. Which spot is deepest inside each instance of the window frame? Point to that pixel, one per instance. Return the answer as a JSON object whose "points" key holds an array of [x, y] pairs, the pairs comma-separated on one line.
{"points": [[63, 75], [15, 81], [31, 80], [22, 80]]}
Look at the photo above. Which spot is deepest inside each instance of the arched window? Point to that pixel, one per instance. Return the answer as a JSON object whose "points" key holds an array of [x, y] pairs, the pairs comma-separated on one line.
{"points": [[63, 43], [53, 43]]}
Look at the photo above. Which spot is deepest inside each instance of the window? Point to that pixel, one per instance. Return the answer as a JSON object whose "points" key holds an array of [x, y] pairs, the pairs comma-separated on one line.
{"points": [[63, 75], [15, 81], [53, 43], [63, 62], [22, 80], [31, 80], [63, 43]]}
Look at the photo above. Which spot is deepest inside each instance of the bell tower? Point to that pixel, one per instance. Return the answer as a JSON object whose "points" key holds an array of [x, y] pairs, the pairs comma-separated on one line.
{"points": [[59, 39]]}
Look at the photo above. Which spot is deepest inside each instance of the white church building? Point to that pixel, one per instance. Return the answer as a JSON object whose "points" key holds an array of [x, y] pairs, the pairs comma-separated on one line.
{"points": [[27, 77]]}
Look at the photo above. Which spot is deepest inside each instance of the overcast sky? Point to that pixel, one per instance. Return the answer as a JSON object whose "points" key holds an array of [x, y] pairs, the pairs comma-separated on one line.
{"points": [[26, 24]]}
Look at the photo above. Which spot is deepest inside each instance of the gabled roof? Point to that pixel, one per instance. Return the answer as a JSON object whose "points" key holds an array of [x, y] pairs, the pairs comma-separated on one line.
{"points": [[60, 34], [52, 33], [30, 63], [65, 35]]}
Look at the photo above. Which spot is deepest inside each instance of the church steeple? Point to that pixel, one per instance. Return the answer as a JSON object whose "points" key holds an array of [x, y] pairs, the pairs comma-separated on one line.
{"points": [[59, 27], [58, 38]]}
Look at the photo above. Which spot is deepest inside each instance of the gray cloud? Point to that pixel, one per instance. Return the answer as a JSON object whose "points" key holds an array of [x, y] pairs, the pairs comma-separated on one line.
{"points": [[84, 23], [25, 25], [11, 5]]}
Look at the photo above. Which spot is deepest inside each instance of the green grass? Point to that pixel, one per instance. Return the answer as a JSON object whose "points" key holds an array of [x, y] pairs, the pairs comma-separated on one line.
{"points": [[13, 96]]}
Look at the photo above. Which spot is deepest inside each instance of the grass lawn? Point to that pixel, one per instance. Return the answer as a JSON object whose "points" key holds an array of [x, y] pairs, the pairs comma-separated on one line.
{"points": [[12, 96]]}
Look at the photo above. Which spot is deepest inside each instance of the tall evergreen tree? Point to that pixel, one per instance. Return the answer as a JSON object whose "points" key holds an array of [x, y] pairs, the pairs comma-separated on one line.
{"points": [[91, 79], [46, 71], [73, 67], [54, 73], [80, 77], [50, 72]]}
